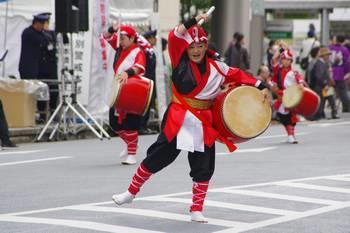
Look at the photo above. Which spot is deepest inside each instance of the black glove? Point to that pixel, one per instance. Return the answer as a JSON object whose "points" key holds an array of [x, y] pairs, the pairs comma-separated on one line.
{"points": [[111, 30]]}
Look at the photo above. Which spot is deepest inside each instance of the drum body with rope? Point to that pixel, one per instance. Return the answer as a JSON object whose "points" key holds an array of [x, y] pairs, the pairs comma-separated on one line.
{"points": [[303, 101], [134, 96], [241, 114]]}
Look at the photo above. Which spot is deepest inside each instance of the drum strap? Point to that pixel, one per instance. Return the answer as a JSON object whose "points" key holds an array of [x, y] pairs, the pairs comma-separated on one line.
{"points": [[231, 147]]}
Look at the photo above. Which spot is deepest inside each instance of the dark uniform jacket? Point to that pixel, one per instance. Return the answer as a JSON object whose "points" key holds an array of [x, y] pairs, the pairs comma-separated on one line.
{"points": [[48, 61], [33, 43]]}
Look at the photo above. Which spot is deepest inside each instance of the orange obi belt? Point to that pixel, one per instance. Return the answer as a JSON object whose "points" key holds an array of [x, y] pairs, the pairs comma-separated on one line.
{"points": [[194, 103]]}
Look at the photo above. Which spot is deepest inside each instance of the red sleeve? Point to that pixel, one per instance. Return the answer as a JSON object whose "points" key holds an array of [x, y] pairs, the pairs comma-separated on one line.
{"points": [[140, 62], [112, 40], [177, 45], [240, 77], [299, 78]]}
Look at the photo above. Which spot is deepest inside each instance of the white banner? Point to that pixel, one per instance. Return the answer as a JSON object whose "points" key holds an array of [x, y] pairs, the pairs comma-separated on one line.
{"points": [[100, 67]]}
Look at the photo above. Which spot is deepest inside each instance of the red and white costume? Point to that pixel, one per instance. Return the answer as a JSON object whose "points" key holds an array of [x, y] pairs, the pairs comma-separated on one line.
{"points": [[192, 135], [288, 78], [283, 78], [128, 58], [182, 130], [127, 125]]}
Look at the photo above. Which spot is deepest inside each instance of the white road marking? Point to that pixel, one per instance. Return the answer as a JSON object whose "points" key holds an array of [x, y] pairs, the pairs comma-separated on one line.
{"points": [[4, 152], [289, 215], [283, 219], [339, 178], [314, 187], [280, 135], [261, 149], [34, 161], [280, 196], [270, 183], [330, 124], [100, 227], [226, 205], [155, 214]]}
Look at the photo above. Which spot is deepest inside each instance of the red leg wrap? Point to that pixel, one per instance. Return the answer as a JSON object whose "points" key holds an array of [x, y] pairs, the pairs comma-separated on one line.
{"points": [[131, 138], [199, 191], [141, 176]]}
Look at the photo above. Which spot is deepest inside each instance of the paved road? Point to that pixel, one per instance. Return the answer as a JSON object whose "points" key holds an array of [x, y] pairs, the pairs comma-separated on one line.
{"points": [[266, 186]]}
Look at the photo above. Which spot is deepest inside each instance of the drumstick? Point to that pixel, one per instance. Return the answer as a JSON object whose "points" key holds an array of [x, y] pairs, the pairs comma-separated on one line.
{"points": [[211, 9], [118, 32]]}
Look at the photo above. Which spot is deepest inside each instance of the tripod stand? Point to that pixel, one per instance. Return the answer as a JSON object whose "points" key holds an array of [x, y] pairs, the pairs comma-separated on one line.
{"points": [[73, 105]]}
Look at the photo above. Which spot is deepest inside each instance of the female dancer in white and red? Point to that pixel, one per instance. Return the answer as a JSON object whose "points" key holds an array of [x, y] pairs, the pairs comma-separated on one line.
{"points": [[129, 60], [197, 80], [283, 77]]}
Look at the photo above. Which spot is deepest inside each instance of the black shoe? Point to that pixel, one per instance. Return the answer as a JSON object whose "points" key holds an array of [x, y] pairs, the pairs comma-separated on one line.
{"points": [[9, 144]]}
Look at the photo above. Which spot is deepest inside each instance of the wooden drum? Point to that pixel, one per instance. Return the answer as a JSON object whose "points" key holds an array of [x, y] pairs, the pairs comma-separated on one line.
{"points": [[240, 114], [134, 96], [303, 101]]}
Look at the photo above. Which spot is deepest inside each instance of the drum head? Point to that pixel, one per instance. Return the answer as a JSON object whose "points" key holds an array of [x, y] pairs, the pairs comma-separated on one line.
{"points": [[244, 112], [292, 96], [114, 92]]}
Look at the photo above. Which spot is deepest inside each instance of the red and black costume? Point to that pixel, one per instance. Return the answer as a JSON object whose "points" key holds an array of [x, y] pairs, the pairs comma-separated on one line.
{"points": [[198, 84], [127, 125]]}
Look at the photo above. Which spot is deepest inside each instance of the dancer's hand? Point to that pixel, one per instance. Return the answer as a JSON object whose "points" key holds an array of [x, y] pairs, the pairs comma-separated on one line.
{"points": [[203, 16], [122, 77], [266, 95]]}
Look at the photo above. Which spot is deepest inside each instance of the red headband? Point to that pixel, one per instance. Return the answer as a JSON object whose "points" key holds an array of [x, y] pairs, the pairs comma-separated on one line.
{"points": [[198, 34], [127, 30], [287, 54]]}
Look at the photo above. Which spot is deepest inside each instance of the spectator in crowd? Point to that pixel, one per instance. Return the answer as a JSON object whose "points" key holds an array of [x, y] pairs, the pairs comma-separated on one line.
{"points": [[32, 46], [151, 37], [266, 42], [313, 59], [347, 77], [263, 74], [4, 131], [237, 55], [306, 46], [150, 73], [271, 50], [321, 82], [340, 67]]}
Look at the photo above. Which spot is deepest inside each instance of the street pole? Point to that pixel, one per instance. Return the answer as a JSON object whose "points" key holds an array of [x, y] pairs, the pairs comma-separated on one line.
{"points": [[5, 39], [325, 26], [257, 25]]}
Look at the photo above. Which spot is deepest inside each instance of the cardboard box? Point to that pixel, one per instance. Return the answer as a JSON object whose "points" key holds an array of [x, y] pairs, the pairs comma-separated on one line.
{"points": [[19, 107]]}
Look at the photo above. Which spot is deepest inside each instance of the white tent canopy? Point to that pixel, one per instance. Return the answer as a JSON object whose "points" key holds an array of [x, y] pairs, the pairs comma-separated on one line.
{"points": [[15, 15]]}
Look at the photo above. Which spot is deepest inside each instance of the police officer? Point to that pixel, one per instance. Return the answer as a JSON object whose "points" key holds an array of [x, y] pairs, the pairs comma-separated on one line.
{"points": [[33, 43], [48, 61]]}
